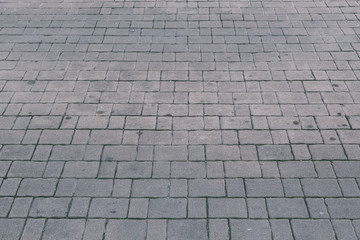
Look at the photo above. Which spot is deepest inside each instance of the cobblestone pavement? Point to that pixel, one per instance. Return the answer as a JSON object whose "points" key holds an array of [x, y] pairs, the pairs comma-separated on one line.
{"points": [[179, 119]]}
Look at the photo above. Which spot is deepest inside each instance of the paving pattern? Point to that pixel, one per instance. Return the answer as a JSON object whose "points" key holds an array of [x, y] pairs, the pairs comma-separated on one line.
{"points": [[179, 120]]}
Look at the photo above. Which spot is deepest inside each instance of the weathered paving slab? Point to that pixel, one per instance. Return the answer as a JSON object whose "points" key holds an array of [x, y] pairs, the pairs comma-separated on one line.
{"points": [[187, 119]]}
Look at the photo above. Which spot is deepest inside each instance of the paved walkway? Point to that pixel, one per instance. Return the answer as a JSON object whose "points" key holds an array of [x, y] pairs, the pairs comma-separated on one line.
{"points": [[127, 120]]}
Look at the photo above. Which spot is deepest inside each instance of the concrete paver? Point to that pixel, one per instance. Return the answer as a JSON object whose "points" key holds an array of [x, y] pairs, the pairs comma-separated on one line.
{"points": [[159, 119]]}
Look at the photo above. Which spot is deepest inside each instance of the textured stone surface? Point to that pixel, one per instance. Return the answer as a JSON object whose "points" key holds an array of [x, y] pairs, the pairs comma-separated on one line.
{"points": [[215, 119]]}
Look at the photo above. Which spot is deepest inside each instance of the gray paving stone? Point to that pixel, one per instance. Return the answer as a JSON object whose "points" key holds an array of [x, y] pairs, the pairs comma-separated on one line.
{"points": [[70, 229], [93, 187], [79, 169], [312, 229], [49, 207], [264, 188], [33, 229], [344, 229], [287, 208], [275, 152], [206, 188], [292, 188], [94, 229], [138, 208], [327, 152], [205, 137], [321, 187], [11, 228], [169, 153], [242, 169], [105, 137], [227, 208], [11, 136], [218, 229], [167, 208], [127, 229], [188, 229], [108, 208], [250, 229], [9, 186], [317, 208], [20, 207], [79, 207], [281, 229], [150, 188], [37, 187], [188, 170], [297, 169], [343, 208], [222, 152], [16, 152], [56, 137], [134, 170], [119, 153], [5, 206], [26, 169], [347, 169], [257, 208]]}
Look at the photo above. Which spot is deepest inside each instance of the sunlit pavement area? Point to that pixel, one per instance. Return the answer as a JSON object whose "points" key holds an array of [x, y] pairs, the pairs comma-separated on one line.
{"points": [[179, 120]]}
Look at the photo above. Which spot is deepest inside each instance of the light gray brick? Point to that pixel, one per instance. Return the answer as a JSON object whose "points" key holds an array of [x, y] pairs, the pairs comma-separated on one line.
{"points": [[128, 229], [188, 170], [188, 229], [11, 228], [312, 229], [206, 188], [264, 188], [108, 208], [227, 208], [70, 229], [49, 207], [33, 229], [93, 187], [79, 207], [94, 229], [37, 187], [167, 208], [250, 229], [242, 169], [321, 187], [287, 208]]}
